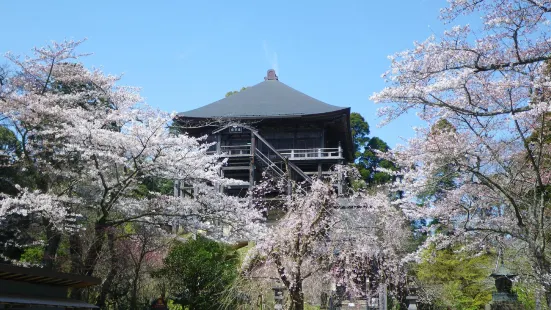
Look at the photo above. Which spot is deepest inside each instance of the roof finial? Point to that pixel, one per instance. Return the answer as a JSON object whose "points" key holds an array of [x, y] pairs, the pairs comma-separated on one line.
{"points": [[271, 75]]}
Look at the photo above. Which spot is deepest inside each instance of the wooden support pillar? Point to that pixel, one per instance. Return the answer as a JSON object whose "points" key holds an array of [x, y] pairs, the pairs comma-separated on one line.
{"points": [[218, 142], [340, 179], [383, 297], [289, 177], [252, 152], [339, 185], [319, 170], [177, 192], [251, 166], [221, 189]]}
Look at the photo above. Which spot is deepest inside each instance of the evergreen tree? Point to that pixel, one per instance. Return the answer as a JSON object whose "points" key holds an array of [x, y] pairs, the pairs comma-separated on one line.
{"points": [[455, 279], [366, 151], [198, 271]]}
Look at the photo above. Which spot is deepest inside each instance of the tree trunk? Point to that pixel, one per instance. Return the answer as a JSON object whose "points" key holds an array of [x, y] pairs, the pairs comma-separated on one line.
{"points": [[106, 286], [548, 296], [53, 239], [94, 250], [297, 297], [75, 250], [134, 294], [544, 268]]}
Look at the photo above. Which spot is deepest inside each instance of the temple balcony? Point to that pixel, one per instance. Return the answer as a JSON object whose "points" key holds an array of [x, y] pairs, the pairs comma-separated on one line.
{"points": [[312, 154], [291, 154], [235, 150]]}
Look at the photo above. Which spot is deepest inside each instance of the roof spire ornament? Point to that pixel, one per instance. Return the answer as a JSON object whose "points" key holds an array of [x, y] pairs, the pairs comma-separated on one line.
{"points": [[271, 75]]}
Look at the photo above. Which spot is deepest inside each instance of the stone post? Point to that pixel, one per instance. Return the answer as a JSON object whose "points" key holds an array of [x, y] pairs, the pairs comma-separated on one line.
{"points": [[411, 299], [382, 297], [278, 298]]}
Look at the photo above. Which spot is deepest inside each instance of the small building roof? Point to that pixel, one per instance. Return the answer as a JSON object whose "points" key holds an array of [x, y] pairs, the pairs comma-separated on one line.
{"points": [[502, 271], [268, 99], [26, 301], [44, 276], [38, 288]]}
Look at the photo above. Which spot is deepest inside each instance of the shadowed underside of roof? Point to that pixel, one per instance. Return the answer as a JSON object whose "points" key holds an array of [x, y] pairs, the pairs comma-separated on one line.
{"points": [[268, 99], [38, 288], [24, 301], [45, 276]]}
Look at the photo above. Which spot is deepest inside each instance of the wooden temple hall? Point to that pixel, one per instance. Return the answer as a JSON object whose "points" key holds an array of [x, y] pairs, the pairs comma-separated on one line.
{"points": [[272, 127]]}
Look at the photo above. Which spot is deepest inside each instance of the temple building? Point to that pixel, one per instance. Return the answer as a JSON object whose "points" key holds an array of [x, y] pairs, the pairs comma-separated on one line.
{"points": [[273, 128], [41, 289]]}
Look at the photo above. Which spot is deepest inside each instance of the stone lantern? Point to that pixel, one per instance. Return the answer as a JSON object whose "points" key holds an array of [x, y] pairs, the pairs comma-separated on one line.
{"points": [[504, 298], [278, 297], [504, 284], [411, 299]]}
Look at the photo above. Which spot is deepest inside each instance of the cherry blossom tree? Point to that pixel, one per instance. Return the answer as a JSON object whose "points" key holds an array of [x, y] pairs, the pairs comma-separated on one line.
{"points": [[91, 144], [490, 84], [146, 246], [328, 238]]}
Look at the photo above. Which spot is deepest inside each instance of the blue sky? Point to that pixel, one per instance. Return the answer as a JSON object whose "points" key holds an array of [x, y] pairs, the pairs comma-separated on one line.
{"points": [[185, 54]]}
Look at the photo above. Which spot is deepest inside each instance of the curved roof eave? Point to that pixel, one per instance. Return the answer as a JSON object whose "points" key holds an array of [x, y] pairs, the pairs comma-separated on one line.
{"points": [[229, 117], [268, 99]]}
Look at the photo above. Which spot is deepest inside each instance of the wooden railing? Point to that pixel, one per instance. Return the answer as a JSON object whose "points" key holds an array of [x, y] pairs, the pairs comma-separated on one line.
{"points": [[236, 150], [319, 153], [268, 163], [292, 154]]}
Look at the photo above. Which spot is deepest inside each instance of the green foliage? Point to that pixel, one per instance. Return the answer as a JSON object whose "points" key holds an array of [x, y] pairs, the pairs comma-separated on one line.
{"points": [[460, 280], [370, 161], [360, 132], [129, 228], [172, 306], [10, 149], [443, 126], [13, 228], [358, 184], [442, 180], [526, 296], [32, 255], [242, 252], [151, 186], [8, 142], [418, 236], [197, 272], [234, 92], [365, 150], [525, 286]]}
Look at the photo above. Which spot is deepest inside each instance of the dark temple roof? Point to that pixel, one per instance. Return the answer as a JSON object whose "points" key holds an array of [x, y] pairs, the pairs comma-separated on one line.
{"points": [[268, 99]]}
